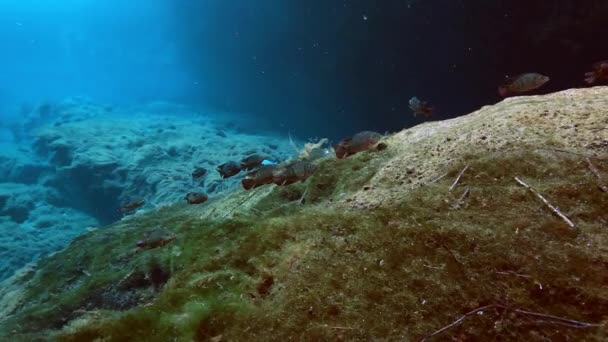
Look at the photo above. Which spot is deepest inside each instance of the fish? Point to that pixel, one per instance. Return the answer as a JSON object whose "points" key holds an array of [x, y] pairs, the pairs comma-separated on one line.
{"points": [[156, 237], [421, 107], [357, 143], [229, 169], [266, 162], [292, 173], [131, 206], [259, 177], [522, 83], [196, 198], [598, 74], [252, 161], [198, 173]]}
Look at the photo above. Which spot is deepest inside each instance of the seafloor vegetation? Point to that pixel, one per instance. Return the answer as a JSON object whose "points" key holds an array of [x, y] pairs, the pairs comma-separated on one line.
{"points": [[266, 265]]}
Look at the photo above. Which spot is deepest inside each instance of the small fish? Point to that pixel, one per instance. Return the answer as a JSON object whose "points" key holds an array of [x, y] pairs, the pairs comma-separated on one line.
{"points": [[359, 142], [229, 169], [131, 206], [259, 177], [522, 83], [252, 161], [198, 173], [421, 107], [196, 198], [156, 237], [268, 162], [298, 171], [598, 74]]}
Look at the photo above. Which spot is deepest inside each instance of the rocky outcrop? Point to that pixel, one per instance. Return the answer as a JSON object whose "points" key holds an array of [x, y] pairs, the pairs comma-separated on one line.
{"points": [[104, 161], [34, 221], [400, 233], [574, 121]]}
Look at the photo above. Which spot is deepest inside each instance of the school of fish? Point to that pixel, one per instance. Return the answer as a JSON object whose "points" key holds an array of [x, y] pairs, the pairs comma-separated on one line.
{"points": [[261, 171]]}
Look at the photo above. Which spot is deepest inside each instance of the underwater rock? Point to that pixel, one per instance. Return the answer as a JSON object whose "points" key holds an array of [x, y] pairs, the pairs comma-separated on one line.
{"points": [[33, 223], [102, 160], [398, 233], [575, 117]]}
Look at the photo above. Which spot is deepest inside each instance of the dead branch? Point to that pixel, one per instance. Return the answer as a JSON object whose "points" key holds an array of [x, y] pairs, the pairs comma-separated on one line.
{"points": [[338, 327], [458, 263], [253, 192], [439, 178], [596, 172], [458, 177], [513, 273], [552, 207], [461, 199], [301, 200], [548, 319]]}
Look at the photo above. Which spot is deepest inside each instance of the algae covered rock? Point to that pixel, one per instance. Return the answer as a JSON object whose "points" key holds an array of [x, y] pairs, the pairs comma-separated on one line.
{"points": [[430, 238]]}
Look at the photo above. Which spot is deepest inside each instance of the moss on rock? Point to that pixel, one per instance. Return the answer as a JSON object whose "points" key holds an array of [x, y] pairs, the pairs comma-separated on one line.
{"points": [[264, 266]]}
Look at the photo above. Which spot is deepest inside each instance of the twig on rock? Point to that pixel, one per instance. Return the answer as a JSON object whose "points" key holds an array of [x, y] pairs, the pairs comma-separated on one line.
{"points": [[439, 178], [253, 192], [301, 200], [458, 263], [596, 172], [462, 197], [548, 319], [552, 207], [513, 273], [458, 177]]}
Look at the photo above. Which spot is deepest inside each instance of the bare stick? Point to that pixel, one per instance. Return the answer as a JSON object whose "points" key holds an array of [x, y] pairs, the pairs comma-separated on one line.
{"points": [[338, 327], [458, 177], [456, 322], [513, 273], [438, 178], [460, 201], [550, 319], [253, 192], [552, 207], [301, 200], [596, 172]]}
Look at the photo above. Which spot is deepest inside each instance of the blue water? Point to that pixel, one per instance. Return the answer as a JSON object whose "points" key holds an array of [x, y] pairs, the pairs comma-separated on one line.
{"points": [[105, 102]]}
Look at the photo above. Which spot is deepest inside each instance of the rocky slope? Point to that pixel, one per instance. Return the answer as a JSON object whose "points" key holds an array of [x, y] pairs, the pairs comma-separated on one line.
{"points": [[430, 238]]}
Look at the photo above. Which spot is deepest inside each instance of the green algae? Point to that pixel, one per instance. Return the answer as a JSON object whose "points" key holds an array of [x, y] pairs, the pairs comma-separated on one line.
{"points": [[309, 271]]}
